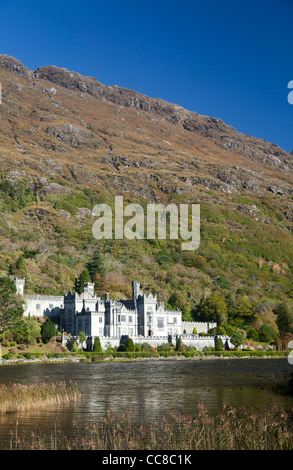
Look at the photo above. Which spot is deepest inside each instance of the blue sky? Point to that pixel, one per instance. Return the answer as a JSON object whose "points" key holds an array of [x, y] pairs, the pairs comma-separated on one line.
{"points": [[228, 59]]}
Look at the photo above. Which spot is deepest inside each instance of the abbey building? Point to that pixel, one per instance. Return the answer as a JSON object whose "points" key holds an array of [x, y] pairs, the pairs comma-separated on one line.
{"points": [[142, 317]]}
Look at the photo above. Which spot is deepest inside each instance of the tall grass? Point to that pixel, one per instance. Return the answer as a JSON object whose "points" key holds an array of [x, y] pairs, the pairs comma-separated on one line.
{"points": [[18, 397], [231, 429]]}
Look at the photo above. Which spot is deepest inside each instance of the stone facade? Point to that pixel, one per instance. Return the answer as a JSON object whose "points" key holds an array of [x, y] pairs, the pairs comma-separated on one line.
{"points": [[142, 317]]}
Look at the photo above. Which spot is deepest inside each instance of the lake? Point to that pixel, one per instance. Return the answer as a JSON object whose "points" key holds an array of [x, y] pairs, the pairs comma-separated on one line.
{"points": [[148, 390]]}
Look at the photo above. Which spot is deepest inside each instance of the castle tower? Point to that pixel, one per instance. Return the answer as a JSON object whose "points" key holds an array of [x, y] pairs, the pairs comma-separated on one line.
{"points": [[89, 288], [135, 292], [19, 284]]}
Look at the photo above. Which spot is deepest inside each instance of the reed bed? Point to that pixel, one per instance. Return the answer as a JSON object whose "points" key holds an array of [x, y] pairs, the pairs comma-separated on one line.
{"points": [[231, 429], [18, 397]]}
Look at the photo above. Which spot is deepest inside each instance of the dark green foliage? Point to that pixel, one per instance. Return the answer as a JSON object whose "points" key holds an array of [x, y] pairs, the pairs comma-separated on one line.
{"points": [[179, 345], [219, 345], [84, 278], [27, 331], [222, 282], [146, 347], [129, 345], [97, 345], [164, 347], [16, 195], [48, 330], [20, 267], [284, 312], [96, 265], [266, 333], [252, 334], [11, 306]]}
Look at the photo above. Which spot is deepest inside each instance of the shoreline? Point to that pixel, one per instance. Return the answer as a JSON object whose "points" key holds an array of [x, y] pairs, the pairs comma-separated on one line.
{"points": [[85, 360]]}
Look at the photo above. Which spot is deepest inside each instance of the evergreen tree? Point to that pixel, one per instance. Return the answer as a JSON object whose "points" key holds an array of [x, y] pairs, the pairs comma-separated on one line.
{"points": [[284, 312], [20, 264], [129, 346], [19, 268], [97, 345], [179, 345], [48, 330], [11, 306], [81, 280], [96, 265], [219, 345]]}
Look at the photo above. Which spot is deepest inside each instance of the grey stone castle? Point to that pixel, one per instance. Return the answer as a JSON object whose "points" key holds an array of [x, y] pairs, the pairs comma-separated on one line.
{"points": [[142, 317]]}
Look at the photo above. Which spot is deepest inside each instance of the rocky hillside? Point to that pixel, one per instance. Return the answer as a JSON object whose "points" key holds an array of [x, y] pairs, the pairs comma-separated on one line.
{"points": [[68, 142]]}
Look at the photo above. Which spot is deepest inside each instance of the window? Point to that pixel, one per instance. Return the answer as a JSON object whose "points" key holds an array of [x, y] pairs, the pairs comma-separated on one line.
{"points": [[175, 320], [160, 322], [101, 319], [38, 306], [130, 318], [149, 320], [123, 317]]}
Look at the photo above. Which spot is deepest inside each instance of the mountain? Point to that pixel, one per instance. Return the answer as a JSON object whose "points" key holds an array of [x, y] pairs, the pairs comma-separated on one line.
{"points": [[68, 142]]}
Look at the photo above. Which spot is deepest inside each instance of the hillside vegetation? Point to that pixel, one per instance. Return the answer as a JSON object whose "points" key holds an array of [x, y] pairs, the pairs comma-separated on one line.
{"points": [[69, 143]]}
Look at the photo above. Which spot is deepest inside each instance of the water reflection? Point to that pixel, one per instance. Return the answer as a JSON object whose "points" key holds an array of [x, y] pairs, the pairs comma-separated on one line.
{"points": [[149, 390]]}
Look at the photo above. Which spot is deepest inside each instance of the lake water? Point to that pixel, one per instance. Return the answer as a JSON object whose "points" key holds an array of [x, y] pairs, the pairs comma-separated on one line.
{"points": [[147, 389]]}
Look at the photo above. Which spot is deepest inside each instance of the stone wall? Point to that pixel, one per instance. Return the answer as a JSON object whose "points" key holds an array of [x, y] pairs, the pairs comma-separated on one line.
{"points": [[201, 327], [196, 341], [43, 306]]}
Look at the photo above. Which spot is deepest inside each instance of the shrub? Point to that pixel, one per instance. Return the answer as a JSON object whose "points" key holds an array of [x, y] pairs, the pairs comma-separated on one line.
{"points": [[219, 346], [179, 345], [7, 356], [97, 345], [129, 346], [27, 355], [48, 330], [164, 347], [252, 334], [146, 347]]}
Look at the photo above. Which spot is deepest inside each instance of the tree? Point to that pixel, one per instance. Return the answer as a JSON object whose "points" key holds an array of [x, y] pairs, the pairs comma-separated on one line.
{"points": [[27, 331], [267, 333], [83, 279], [253, 334], [240, 310], [18, 268], [20, 265], [238, 337], [11, 306], [179, 345], [129, 345], [219, 345], [97, 345], [213, 309], [72, 345], [96, 265], [284, 312], [178, 300], [48, 330], [81, 337]]}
